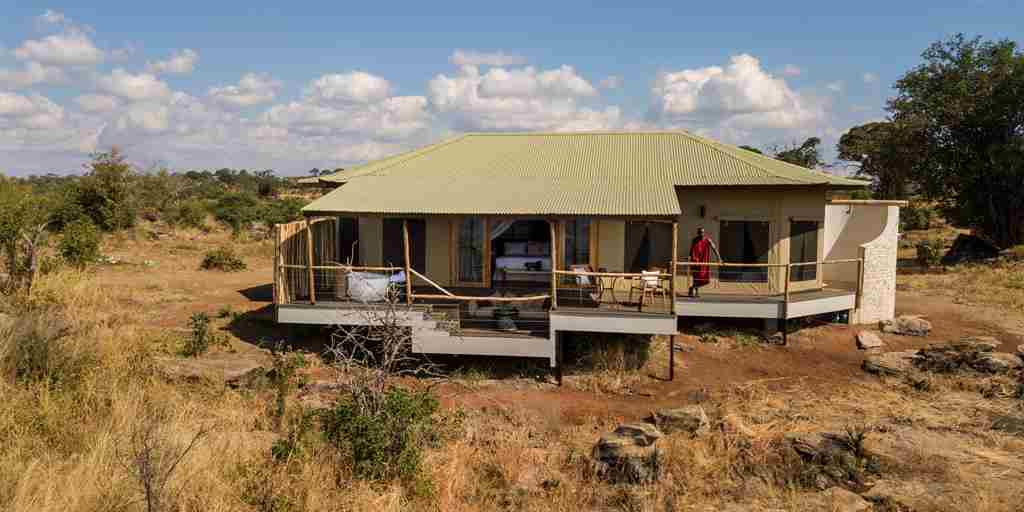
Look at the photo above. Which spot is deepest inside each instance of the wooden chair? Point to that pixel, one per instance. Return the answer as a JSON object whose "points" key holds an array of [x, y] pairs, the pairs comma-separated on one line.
{"points": [[651, 283], [591, 284]]}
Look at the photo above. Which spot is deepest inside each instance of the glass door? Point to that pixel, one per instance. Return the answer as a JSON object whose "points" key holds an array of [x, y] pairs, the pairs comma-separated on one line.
{"points": [[471, 251]]}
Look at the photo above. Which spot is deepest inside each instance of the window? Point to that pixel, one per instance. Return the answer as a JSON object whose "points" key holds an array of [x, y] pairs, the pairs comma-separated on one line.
{"points": [[577, 242], [471, 250], [803, 248], [744, 241]]}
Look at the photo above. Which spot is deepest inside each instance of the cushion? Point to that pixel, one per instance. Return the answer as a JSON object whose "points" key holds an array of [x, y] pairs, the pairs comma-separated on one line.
{"points": [[515, 248]]}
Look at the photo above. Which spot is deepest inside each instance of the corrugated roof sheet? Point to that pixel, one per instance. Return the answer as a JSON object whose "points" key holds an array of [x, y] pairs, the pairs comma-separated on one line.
{"points": [[589, 173]]}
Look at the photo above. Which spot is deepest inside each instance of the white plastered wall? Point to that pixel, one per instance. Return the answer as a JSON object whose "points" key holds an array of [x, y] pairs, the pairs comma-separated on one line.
{"points": [[871, 232]]}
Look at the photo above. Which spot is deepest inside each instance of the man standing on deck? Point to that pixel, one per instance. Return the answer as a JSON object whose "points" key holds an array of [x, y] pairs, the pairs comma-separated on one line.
{"points": [[700, 252]]}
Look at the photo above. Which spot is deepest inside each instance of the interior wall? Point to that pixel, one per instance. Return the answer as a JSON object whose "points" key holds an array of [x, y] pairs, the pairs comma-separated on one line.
{"points": [[611, 250], [371, 239], [439, 257]]}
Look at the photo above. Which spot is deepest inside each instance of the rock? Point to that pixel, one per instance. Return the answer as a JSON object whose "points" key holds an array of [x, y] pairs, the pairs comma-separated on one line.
{"points": [[867, 340], [907, 325], [979, 343], [995, 362], [1020, 351], [629, 454], [690, 419], [889, 363], [896, 495], [969, 248], [837, 499], [1009, 424], [247, 377], [733, 424], [808, 445], [684, 347]]}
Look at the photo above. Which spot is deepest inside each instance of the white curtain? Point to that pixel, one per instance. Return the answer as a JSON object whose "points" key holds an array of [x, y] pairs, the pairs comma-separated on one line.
{"points": [[500, 227]]}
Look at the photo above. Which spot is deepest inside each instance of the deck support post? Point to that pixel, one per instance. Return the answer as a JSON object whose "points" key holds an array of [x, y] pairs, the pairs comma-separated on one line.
{"points": [[672, 357], [554, 275], [408, 273], [558, 357], [785, 306], [309, 261], [672, 266]]}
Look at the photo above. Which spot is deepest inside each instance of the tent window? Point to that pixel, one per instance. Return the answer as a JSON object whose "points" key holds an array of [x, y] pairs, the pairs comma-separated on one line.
{"points": [[577, 242], [744, 242], [803, 248], [471, 250]]}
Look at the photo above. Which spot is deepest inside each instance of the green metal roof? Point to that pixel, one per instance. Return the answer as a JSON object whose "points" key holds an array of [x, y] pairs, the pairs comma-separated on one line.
{"points": [[587, 173]]}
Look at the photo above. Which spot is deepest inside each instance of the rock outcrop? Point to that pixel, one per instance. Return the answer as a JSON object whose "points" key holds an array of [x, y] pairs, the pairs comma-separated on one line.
{"points": [[629, 454], [867, 340], [906, 325], [690, 419]]}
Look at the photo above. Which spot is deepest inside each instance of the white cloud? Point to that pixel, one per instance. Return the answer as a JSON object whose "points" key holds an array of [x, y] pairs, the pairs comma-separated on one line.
{"points": [[740, 102], [792, 70], [518, 99], [180, 62], [29, 112], [52, 17], [252, 89], [68, 49], [836, 86], [472, 58], [95, 103], [33, 73], [611, 82], [352, 87], [870, 78], [140, 87]]}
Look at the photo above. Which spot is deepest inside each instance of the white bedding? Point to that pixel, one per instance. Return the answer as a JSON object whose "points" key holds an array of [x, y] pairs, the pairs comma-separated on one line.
{"points": [[519, 262]]}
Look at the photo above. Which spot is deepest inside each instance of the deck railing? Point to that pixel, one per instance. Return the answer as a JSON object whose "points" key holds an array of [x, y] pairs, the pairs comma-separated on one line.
{"points": [[765, 278], [621, 291]]}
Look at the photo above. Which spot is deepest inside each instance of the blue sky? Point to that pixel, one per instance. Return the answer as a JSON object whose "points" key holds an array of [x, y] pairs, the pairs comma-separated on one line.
{"points": [[209, 84]]}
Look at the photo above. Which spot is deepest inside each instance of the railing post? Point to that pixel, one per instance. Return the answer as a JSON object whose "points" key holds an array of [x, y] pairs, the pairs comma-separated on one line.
{"points": [[554, 265], [277, 264], [408, 265], [672, 267], [309, 261], [860, 279]]}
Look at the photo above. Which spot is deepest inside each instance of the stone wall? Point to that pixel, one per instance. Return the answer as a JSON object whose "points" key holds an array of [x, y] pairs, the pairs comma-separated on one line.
{"points": [[878, 293]]}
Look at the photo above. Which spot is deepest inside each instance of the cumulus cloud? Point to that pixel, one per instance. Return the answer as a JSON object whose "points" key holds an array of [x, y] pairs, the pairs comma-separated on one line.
{"points": [[252, 89], [870, 78], [472, 58], [734, 102], [33, 73], [140, 87], [352, 87], [518, 99], [30, 112], [67, 49], [181, 62], [95, 103]]}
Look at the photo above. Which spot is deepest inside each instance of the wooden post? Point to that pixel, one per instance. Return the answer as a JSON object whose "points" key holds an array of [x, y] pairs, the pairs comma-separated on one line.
{"points": [[785, 306], [554, 275], [860, 280], [277, 264], [309, 262], [672, 266], [672, 357], [408, 264], [558, 357]]}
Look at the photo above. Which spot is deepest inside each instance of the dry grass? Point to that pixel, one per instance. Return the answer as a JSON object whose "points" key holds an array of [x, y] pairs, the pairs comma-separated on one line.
{"points": [[999, 283]]}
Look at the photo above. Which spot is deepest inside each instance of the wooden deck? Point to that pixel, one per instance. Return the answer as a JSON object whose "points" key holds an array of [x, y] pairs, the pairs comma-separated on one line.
{"points": [[806, 303]]}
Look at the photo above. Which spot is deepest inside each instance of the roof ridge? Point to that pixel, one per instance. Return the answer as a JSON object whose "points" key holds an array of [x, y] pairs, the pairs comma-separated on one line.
{"points": [[716, 146], [404, 157]]}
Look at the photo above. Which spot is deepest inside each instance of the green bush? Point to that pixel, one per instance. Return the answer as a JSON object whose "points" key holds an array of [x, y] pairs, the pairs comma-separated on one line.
{"points": [[36, 347], [200, 338], [617, 352], [238, 211], [106, 192], [385, 444], [191, 214], [281, 211], [224, 259], [917, 216], [80, 244], [929, 252]]}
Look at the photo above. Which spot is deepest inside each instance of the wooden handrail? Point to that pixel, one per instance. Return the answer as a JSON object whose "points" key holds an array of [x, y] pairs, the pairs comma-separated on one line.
{"points": [[342, 267], [468, 298], [760, 265], [607, 274]]}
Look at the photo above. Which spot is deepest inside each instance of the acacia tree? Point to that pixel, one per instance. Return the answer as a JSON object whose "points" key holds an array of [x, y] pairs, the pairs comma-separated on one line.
{"points": [[24, 219], [967, 98], [887, 152], [806, 154]]}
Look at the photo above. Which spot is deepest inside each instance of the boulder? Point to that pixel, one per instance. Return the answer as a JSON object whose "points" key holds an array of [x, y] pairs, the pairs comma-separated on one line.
{"points": [[969, 248], [977, 343], [1009, 424], [867, 340], [837, 499], [889, 363], [629, 454], [995, 362], [690, 419], [906, 325]]}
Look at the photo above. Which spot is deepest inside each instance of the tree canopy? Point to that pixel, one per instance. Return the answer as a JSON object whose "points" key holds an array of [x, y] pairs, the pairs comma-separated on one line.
{"points": [[887, 152], [966, 100], [806, 154]]}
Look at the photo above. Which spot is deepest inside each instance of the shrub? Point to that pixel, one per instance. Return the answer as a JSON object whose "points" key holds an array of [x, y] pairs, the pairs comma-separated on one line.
{"points": [[80, 244], [224, 259], [282, 210], [238, 211], [918, 216], [616, 352], [200, 338], [36, 347], [191, 214], [929, 252], [105, 192], [385, 442]]}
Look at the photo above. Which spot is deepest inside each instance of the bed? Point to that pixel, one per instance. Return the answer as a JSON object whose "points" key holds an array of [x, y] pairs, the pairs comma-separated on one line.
{"points": [[524, 261]]}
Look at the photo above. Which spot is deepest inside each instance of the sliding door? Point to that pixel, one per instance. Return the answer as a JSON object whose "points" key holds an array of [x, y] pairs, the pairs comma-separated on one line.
{"points": [[471, 251]]}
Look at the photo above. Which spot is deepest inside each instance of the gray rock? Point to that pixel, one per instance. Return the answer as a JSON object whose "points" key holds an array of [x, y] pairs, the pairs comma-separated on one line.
{"points": [[629, 454], [867, 340], [1009, 424], [979, 343], [995, 362], [808, 445], [889, 363], [837, 499], [907, 325], [690, 419]]}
